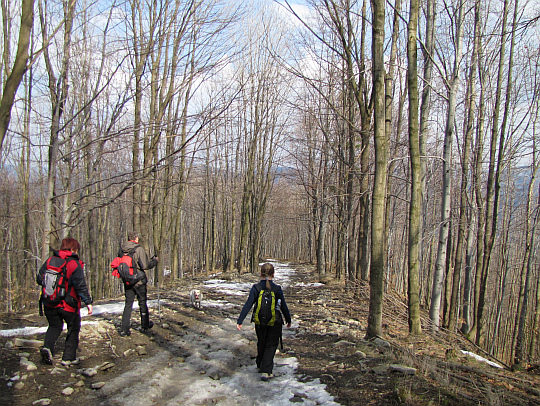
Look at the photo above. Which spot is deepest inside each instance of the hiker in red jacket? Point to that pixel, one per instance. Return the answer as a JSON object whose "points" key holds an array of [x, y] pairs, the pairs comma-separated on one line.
{"points": [[140, 261], [66, 308]]}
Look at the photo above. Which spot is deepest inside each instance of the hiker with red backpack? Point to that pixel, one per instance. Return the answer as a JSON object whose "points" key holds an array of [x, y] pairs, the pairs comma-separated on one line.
{"points": [[130, 265], [63, 288], [268, 313]]}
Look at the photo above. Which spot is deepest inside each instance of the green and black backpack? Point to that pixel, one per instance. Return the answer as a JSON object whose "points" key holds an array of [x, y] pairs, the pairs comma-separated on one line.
{"points": [[265, 312]]}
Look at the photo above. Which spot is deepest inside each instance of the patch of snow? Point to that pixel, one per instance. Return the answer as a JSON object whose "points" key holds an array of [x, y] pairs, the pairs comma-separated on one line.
{"points": [[111, 308], [482, 359], [308, 285], [28, 331], [218, 369]]}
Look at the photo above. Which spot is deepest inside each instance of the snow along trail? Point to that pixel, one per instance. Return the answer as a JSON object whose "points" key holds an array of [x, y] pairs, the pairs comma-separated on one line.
{"points": [[218, 370]]}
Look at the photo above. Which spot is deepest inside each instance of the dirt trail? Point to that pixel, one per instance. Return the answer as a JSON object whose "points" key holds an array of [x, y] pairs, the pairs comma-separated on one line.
{"points": [[191, 357], [197, 357]]}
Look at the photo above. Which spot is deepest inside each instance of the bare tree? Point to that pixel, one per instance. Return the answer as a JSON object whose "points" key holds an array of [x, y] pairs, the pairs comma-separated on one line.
{"points": [[20, 64], [378, 216], [453, 86]]}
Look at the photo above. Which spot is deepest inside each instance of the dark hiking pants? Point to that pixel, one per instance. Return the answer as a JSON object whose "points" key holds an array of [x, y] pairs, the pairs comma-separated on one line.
{"points": [[131, 292], [56, 316], [267, 343]]}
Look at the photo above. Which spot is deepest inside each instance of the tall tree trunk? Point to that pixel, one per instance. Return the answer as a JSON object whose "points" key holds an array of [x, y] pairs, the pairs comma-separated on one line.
{"points": [[20, 66], [463, 207], [415, 326], [379, 189], [493, 185], [436, 292], [428, 54]]}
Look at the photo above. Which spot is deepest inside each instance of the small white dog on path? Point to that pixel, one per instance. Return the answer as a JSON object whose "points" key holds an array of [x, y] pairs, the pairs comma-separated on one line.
{"points": [[196, 298]]}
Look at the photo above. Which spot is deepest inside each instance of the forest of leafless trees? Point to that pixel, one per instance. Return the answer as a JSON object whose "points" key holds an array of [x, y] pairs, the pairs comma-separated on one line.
{"points": [[392, 144]]}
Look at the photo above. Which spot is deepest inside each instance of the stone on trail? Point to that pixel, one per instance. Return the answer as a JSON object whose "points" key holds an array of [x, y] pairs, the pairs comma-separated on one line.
{"points": [[141, 350], [379, 342], [29, 365], [57, 371], [128, 352], [343, 343], [97, 385], [403, 369], [21, 342], [89, 372], [42, 402], [361, 354], [79, 384], [19, 385], [68, 391], [105, 366]]}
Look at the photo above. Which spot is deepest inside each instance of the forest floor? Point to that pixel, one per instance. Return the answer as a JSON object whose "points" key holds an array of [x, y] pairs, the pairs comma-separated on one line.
{"points": [[197, 357]]}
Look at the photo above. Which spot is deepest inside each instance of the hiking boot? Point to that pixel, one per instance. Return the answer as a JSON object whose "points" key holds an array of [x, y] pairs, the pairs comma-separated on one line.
{"points": [[67, 363], [125, 333], [46, 356], [266, 376], [145, 329]]}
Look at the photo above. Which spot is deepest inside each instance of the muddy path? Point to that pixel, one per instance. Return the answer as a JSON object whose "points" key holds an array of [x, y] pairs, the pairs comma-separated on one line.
{"points": [[197, 357]]}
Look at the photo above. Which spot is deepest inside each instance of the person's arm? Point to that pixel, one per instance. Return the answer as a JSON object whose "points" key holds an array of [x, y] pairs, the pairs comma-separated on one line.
{"points": [[285, 308], [78, 281], [247, 307], [39, 274], [143, 261]]}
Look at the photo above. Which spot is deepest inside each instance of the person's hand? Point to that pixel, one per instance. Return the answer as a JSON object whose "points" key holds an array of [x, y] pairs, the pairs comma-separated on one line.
{"points": [[288, 325], [239, 327], [90, 309]]}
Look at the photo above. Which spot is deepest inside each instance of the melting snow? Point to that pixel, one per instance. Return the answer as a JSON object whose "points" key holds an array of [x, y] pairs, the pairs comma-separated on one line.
{"points": [[218, 369]]}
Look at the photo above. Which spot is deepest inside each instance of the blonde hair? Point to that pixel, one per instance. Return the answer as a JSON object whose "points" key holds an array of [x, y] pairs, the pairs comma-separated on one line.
{"points": [[267, 270]]}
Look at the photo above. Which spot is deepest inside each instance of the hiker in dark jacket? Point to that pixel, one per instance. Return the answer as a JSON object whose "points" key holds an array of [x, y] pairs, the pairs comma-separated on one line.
{"points": [[68, 310], [140, 261], [267, 336]]}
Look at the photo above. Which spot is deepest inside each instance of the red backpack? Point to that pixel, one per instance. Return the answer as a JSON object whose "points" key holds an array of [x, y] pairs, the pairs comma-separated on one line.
{"points": [[55, 285], [123, 268]]}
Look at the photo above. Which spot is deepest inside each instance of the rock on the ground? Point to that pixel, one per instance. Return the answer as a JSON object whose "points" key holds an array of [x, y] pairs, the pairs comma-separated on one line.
{"points": [[29, 365], [343, 343], [21, 342], [57, 371], [380, 343], [141, 350], [97, 385], [42, 402], [361, 354], [68, 391], [403, 369], [105, 366], [89, 372]]}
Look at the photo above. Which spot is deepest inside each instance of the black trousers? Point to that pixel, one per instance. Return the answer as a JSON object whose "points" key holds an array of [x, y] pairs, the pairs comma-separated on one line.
{"points": [[56, 317], [267, 343], [130, 293]]}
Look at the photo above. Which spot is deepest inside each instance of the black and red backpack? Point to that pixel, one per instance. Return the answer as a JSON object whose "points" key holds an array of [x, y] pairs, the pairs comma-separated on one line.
{"points": [[123, 267], [54, 282]]}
